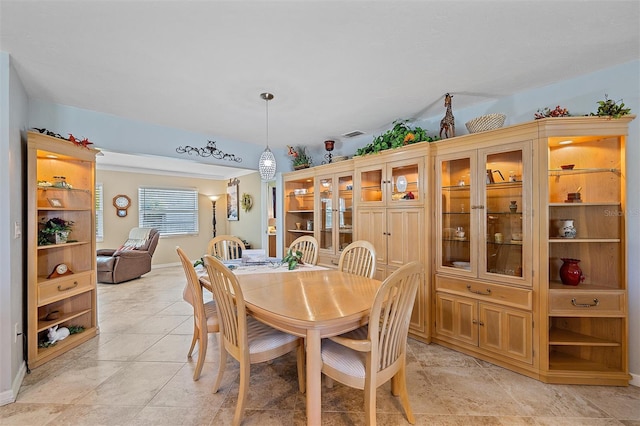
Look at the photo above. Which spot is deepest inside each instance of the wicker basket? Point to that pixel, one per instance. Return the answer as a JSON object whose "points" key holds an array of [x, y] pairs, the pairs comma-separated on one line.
{"points": [[485, 122]]}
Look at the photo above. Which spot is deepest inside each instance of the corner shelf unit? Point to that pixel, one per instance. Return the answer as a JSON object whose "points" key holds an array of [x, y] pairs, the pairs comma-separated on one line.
{"points": [[68, 300]]}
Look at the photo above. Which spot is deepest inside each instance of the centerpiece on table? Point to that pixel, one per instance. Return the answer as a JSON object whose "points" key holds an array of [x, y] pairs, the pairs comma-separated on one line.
{"points": [[293, 259], [54, 231]]}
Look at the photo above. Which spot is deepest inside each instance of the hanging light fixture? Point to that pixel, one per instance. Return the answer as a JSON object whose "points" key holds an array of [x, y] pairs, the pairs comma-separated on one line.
{"points": [[267, 163]]}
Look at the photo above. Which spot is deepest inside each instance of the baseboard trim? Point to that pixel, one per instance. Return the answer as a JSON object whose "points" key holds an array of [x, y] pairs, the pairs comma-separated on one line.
{"points": [[165, 265], [635, 380], [10, 396]]}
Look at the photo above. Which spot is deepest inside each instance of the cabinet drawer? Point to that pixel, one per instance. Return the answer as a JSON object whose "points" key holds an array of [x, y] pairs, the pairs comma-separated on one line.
{"points": [[482, 290], [57, 289], [587, 303], [328, 260]]}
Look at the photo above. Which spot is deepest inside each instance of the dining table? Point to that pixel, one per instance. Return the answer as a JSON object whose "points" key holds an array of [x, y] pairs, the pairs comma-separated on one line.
{"points": [[311, 302]]}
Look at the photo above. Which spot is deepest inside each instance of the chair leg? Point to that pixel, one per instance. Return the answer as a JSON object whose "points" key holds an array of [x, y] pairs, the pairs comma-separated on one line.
{"points": [[328, 382], [202, 352], [222, 363], [370, 402], [399, 388], [194, 340], [302, 371], [245, 372]]}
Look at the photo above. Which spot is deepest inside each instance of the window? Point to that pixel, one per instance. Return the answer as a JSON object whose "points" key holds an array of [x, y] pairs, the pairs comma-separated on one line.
{"points": [[99, 213], [171, 211]]}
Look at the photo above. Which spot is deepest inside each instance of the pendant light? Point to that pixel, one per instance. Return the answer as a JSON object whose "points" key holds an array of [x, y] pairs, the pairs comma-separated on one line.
{"points": [[267, 163]]}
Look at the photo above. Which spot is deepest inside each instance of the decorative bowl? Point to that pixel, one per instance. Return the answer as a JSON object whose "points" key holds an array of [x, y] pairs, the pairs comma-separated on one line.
{"points": [[485, 122], [567, 166]]}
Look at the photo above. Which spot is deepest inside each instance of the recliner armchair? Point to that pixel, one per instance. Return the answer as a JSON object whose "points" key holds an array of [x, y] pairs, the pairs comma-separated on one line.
{"points": [[130, 261]]}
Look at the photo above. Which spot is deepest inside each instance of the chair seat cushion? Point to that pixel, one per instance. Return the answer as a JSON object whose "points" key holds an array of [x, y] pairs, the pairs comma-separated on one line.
{"points": [[263, 338], [343, 359], [211, 313]]}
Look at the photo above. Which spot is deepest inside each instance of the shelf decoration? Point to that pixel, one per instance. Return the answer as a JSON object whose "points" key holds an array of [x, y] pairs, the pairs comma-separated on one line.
{"points": [[547, 112], [400, 135], [210, 150], [448, 122], [610, 108], [78, 142], [299, 157], [54, 231]]}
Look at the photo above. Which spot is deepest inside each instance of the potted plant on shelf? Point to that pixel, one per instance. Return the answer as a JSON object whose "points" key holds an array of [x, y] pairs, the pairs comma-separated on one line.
{"points": [[400, 135], [299, 157], [54, 231]]}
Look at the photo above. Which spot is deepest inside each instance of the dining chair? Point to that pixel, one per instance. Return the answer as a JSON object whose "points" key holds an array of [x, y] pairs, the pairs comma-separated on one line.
{"points": [[358, 258], [368, 357], [243, 337], [205, 315], [308, 245], [226, 247]]}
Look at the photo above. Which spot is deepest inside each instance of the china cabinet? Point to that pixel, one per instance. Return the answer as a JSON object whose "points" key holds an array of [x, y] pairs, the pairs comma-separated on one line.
{"points": [[61, 275], [299, 205], [334, 186], [584, 326], [483, 226], [390, 193]]}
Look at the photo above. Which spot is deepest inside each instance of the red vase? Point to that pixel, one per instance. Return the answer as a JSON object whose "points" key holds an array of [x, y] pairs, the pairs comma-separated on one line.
{"points": [[570, 272]]}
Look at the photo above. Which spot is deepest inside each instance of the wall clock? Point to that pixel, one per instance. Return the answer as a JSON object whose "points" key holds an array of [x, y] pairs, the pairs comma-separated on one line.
{"points": [[121, 203]]}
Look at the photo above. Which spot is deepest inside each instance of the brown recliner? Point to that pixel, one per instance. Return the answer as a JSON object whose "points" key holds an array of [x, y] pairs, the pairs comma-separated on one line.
{"points": [[130, 261]]}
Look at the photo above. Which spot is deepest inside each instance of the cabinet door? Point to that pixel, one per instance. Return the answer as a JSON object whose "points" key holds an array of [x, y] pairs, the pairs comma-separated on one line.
{"points": [[335, 222], [455, 230], [370, 182], [405, 182], [344, 211], [505, 240], [405, 235], [456, 318], [371, 226], [506, 331]]}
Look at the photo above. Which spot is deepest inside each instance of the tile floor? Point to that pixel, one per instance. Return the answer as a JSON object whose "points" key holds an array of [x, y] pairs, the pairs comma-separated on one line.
{"points": [[136, 373]]}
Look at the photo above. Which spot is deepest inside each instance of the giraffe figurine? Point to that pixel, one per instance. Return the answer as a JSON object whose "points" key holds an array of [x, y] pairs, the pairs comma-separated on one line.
{"points": [[448, 122]]}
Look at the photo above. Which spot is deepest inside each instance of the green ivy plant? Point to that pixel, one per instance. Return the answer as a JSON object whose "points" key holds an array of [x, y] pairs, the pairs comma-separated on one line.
{"points": [[293, 259], [399, 135], [609, 107]]}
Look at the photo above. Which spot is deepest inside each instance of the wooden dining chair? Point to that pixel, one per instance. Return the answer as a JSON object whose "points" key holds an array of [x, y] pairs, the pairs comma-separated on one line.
{"points": [[308, 245], [226, 247], [205, 315], [370, 356], [358, 258], [244, 338]]}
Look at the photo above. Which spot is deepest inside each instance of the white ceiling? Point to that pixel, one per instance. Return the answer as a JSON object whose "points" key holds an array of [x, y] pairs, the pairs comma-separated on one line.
{"points": [[334, 66]]}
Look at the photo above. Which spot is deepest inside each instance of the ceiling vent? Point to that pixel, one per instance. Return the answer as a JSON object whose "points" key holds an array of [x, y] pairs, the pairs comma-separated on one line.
{"points": [[353, 134]]}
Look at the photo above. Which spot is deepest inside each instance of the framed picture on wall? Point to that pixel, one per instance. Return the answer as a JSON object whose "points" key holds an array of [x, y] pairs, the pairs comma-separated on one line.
{"points": [[233, 202]]}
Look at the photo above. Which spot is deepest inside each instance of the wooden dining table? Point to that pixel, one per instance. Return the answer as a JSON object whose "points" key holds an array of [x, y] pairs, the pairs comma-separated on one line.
{"points": [[312, 304]]}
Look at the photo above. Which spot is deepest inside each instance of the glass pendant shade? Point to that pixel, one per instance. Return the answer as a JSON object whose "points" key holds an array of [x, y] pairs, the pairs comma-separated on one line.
{"points": [[267, 162], [267, 165]]}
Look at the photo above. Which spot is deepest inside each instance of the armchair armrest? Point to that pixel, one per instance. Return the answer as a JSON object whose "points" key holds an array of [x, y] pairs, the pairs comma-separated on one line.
{"points": [[133, 254], [105, 252], [355, 344]]}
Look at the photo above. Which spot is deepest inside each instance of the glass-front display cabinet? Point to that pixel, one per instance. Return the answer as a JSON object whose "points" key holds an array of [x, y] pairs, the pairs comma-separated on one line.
{"points": [[482, 225], [299, 206], [392, 183], [335, 215]]}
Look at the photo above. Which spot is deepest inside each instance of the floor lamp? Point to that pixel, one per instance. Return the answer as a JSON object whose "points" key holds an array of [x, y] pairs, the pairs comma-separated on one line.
{"points": [[213, 199]]}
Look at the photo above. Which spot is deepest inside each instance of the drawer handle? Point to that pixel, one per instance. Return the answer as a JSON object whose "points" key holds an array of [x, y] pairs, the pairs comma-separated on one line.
{"points": [[596, 302], [487, 293], [75, 284]]}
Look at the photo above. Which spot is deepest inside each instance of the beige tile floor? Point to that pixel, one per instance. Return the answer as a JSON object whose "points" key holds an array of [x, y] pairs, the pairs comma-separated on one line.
{"points": [[136, 373]]}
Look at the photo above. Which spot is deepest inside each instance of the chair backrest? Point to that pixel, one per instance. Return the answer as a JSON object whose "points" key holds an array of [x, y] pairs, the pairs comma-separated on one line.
{"points": [[309, 248], [390, 315], [358, 258], [192, 292], [232, 313], [226, 247]]}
